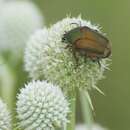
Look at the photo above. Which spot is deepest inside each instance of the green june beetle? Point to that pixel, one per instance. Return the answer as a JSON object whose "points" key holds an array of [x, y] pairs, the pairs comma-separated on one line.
{"points": [[88, 43]]}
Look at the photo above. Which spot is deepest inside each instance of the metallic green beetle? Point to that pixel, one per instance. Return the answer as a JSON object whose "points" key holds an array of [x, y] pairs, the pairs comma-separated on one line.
{"points": [[87, 42]]}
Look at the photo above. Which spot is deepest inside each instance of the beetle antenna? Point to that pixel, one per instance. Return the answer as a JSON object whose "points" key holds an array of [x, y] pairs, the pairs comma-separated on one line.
{"points": [[78, 24], [75, 24], [98, 61]]}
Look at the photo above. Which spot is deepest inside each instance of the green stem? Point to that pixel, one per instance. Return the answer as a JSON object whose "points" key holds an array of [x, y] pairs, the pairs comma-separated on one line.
{"points": [[71, 124], [86, 108], [7, 85]]}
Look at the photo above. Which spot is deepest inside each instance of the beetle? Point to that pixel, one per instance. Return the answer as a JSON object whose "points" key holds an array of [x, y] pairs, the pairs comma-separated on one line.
{"points": [[87, 42]]}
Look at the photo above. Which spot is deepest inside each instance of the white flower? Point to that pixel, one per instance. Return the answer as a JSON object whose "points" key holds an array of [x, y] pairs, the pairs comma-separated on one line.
{"points": [[47, 58], [94, 127], [42, 106], [5, 119], [18, 19]]}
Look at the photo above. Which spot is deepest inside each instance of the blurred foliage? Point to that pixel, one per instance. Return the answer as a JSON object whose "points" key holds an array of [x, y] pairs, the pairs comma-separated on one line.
{"points": [[112, 110]]}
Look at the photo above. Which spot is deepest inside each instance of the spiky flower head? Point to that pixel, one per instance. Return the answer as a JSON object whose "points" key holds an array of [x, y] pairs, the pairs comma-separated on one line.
{"points": [[94, 127], [5, 119], [42, 106], [18, 20], [46, 57]]}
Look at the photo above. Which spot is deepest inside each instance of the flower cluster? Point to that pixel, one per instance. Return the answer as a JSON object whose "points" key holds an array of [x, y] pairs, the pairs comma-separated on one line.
{"points": [[46, 57]]}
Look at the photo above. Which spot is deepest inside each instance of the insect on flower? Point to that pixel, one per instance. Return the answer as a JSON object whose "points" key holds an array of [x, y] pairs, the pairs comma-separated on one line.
{"points": [[87, 42]]}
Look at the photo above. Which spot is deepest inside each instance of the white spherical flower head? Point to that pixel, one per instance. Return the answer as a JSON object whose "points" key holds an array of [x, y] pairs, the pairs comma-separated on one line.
{"points": [[18, 20], [48, 58], [42, 106], [5, 119], [34, 53], [93, 127]]}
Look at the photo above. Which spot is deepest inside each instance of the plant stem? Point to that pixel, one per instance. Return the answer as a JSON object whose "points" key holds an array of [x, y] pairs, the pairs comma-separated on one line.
{"points": [[86, 108], [71, 124], [7, 85]]}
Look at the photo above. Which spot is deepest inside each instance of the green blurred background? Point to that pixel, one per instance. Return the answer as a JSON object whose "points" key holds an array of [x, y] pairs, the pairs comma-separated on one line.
{"points": [[112, 110]]}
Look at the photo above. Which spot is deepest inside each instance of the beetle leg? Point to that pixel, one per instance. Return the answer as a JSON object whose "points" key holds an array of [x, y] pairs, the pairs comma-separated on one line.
{"points": [[74, 54], [98, 61], [85, 58], [67, 46]]}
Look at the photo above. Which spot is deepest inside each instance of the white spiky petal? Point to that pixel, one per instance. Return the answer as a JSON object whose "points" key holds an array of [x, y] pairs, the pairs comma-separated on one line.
{"points": [[93, 127], [42, 106], [47, 58], [5, 119], [18, 19]]}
